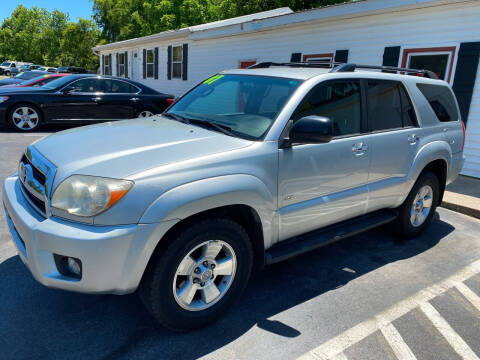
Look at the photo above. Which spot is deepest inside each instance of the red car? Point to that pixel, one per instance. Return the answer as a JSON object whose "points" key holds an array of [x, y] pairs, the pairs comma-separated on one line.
{"points": [[37, 81]]}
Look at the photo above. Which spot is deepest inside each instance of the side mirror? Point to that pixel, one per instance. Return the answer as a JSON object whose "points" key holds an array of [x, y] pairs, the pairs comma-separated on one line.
{"points": [[311, 130]]}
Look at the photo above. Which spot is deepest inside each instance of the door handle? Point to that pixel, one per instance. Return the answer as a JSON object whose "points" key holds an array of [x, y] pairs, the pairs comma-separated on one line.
{"points": [[413, 139], [97, 99], [359, 148], [134, 99]]}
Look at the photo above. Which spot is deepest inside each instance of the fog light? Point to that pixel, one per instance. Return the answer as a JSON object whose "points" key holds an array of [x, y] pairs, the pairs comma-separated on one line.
{"points": [[73, 266], [68, 266]]}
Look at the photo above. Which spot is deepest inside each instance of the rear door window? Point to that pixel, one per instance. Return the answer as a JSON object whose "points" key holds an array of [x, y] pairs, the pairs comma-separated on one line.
{"points": [[441, 100], [384, 105], [119, 87]]}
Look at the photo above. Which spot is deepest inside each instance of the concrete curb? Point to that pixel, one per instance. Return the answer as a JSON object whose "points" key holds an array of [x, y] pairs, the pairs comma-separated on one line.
{"points": [[464, 204]]}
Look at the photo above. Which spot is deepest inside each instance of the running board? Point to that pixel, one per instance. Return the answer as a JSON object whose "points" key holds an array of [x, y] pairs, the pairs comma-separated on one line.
{"points": [[318, 238]]}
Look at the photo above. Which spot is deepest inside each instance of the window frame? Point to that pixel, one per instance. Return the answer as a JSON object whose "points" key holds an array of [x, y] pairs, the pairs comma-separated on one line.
{"points": [[121, 65], [106, 59], [150, 63], [177, 62], [399, 85], [320, 57], [445, 50], [363, 122]]}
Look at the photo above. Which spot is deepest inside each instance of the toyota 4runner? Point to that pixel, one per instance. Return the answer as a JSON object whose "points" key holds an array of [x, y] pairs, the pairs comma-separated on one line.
{"points": [[248, 168]]}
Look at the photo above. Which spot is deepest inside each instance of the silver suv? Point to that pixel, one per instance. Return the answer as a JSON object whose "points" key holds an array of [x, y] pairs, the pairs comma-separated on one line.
{"points": [[248, 168]]}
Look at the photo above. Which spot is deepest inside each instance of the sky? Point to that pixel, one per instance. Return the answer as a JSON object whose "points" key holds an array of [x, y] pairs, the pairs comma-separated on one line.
{"points": [[74, 8]]}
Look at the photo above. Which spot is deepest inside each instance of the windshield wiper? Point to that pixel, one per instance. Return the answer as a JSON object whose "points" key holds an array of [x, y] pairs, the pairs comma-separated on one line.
{"points": [[190, 120], [220, 127], [177, 117]]}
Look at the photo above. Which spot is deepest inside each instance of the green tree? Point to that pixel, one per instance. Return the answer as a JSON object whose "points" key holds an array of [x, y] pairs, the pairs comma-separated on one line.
{"points": [[126, 19], [42, 37], [77, 42]]}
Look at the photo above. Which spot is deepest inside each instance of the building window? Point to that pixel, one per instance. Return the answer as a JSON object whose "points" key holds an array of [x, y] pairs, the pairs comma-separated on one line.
{"points": [[121, 64], [243, 64], [177, 59], [150, 63], [439, 60], [106, 65], [326, 58]]}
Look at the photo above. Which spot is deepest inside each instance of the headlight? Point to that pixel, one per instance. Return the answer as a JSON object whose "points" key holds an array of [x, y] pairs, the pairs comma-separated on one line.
{"points": [[89, 195], [3, 98]]}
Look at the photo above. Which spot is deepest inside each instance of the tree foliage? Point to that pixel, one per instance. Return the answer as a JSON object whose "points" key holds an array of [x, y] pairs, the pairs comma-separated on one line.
{"points": [[42, 37], [126, 19]]}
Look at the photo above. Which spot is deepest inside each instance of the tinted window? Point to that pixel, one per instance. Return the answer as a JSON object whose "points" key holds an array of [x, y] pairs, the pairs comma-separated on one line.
{"points": [[384, 107], [408, 113], [87, 86], [340, 101], [238, 101], [119, 87], [441, 100]]}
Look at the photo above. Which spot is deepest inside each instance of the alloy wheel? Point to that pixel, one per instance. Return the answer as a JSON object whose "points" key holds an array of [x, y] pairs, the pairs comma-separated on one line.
{"points": [[422, 204], [145, 114], [204, 275], [25, 118]]}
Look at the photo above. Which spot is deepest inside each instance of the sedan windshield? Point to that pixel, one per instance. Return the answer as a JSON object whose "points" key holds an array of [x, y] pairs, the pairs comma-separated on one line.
{"points": [[245, 104]]}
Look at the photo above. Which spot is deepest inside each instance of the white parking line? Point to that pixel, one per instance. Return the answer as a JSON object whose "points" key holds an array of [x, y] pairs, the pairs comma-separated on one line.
{"points": [[396, 342], [455, 341], [469, 295], [338, 344]]}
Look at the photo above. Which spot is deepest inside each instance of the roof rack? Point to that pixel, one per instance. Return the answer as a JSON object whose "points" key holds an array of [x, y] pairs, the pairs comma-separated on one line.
{"points": [[309, 64], [349, 67], [345, 67]]}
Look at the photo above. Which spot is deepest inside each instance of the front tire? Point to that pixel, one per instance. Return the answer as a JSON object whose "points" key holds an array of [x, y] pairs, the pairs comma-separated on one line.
{"points": [[416, 212], [7, 73], [199, 275], [24, 117]]}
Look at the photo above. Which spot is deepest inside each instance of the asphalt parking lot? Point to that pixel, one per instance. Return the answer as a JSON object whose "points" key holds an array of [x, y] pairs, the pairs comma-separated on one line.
{"points": [[367, 297]]}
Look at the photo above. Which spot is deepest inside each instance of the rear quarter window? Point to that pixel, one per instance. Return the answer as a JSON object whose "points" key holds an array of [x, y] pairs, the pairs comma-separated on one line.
{"points": [[441, 100]]}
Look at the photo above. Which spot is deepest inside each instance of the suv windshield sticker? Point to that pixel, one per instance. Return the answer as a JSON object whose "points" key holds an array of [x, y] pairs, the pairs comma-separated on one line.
{"points": [[213, 79]]}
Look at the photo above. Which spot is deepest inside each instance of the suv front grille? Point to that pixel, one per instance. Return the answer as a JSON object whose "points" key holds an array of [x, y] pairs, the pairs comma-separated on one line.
{"points": [[36, 178]]}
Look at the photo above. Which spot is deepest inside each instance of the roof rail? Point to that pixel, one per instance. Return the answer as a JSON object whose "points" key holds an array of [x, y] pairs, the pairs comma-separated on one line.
{"points": [[309, 64], [344, 67], [349, 67]]}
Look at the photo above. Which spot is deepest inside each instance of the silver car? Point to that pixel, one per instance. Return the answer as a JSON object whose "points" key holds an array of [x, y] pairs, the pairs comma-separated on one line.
{"points": [[248, 168]]}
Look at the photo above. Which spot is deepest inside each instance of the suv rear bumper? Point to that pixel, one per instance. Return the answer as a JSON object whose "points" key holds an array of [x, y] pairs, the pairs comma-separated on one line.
{"points": [[113, 257]]}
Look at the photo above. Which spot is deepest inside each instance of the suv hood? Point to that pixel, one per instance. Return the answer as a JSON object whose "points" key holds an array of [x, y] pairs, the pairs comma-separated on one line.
{"points": [[123, 148]]}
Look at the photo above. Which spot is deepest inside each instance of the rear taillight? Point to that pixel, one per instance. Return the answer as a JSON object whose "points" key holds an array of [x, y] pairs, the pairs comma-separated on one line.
{"points": [[170, 101], [463, 128]]}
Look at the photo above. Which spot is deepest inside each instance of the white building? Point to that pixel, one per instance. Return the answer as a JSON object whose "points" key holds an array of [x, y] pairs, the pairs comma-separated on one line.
{"points": [[443, 36]]}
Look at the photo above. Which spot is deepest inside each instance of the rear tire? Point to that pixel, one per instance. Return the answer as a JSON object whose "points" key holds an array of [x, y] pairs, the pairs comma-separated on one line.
{"points": [[417, 211], [199, 276]]}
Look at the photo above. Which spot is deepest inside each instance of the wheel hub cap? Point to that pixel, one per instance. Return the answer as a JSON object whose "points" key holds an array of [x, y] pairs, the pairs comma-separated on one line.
{"points": [[204, 275], [421, 206]]}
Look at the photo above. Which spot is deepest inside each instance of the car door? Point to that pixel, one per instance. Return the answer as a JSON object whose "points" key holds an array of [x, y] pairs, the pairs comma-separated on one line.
{"points": [[76, 101], [395, 138], [321, 184], [120, 100]]}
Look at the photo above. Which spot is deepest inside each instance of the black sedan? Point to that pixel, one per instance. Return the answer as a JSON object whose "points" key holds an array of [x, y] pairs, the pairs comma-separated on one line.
{"points": [[79, 99], [21, 77]]}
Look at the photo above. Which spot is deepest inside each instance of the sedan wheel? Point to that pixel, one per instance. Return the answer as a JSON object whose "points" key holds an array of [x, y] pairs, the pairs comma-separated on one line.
{"points": [[25, 118], [145, 114]]}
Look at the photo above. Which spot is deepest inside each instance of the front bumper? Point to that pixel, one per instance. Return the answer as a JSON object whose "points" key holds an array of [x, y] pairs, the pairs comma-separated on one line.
{"points": [[113, 257]]}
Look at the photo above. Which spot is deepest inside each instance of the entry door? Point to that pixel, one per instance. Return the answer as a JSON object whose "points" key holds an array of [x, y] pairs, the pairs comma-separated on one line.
{"points": [[80, 104], [395, 141], [321, 184], [133, 66]]}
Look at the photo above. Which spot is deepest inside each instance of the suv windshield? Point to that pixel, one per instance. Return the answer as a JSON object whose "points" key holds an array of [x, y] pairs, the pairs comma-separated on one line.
{"points": [[246, 104]]}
